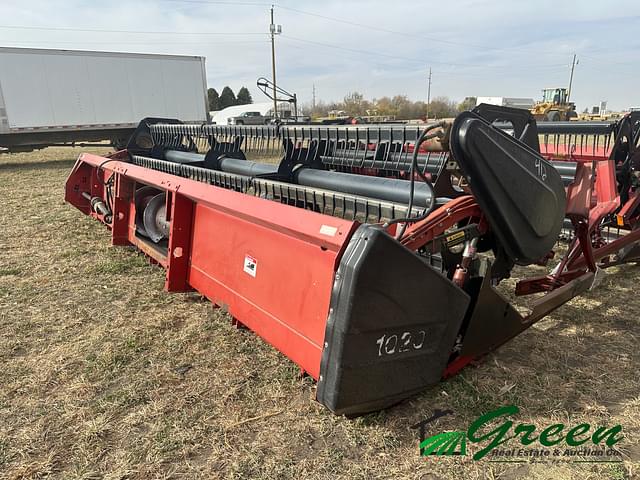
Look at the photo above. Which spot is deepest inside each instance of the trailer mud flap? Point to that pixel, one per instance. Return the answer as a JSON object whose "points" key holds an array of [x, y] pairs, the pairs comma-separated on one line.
{"points": [[392, 325]]}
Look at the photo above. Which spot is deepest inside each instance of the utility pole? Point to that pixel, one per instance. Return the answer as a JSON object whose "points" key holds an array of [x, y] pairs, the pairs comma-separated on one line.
{"points": [[314, 97], [274, 30], [573, 66], [429, 94]]}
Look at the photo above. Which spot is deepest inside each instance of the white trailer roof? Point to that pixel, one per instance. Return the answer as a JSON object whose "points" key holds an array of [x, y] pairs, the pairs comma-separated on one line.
{"points": [[92, 53]]}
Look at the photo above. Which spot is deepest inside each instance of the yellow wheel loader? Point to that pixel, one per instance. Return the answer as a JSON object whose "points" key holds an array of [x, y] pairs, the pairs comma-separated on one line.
{"points": [[555, 106]]}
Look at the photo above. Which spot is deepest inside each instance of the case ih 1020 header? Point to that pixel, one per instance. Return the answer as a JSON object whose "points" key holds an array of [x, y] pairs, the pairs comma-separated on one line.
{"points": [[369, 255]]}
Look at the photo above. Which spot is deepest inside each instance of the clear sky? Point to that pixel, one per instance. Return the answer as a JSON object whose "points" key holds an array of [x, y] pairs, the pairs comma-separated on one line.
{"points": [[377, 47]]}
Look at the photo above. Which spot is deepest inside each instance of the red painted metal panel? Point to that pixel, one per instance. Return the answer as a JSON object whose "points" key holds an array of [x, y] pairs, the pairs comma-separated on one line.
{"points": [[78, 181], [122, 210], [605, 198], [295, 221], [277, 284], [271, 265], [179, 249], [562, 151]]}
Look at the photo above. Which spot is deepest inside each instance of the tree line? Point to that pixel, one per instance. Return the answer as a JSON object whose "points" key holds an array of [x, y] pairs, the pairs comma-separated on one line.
{"points": [[354, 104], [227, 98], [399, 106]]}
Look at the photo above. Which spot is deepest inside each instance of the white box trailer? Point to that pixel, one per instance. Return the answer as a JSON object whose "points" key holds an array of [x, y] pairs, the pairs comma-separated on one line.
{"points": [[50, 97], [514, 102]]}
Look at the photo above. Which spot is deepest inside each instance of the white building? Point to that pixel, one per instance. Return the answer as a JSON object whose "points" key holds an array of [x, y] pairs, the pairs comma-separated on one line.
{"points": [[514, 102]]}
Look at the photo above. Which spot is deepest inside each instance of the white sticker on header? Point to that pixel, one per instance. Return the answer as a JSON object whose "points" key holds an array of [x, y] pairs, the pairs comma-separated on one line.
{"points": [[250, 265], [328, 230]]}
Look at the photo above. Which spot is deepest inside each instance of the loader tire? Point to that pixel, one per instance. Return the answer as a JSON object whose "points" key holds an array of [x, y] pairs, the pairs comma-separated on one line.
{"points": [[553, 116]]}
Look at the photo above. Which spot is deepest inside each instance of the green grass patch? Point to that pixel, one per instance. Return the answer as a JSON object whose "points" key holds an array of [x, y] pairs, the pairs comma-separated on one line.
{"points": [[5, 272]]}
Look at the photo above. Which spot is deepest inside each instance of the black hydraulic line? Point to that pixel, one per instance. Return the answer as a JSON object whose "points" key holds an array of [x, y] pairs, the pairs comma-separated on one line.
{"points": [[425, 135], [98, 206]]}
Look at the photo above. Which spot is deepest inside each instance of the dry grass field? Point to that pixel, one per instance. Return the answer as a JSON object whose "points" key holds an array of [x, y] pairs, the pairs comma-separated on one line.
{"points": [[105, 376]]}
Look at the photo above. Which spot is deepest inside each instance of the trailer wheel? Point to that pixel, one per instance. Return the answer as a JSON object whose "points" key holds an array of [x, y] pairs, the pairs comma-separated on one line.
{"points": [[239, 122], [553, 116]]}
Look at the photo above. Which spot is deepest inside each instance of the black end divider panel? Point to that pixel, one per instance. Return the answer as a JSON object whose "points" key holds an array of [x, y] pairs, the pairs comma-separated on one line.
{"points": [[391, 328], [521, 193], [524, 125], [141, 141]]}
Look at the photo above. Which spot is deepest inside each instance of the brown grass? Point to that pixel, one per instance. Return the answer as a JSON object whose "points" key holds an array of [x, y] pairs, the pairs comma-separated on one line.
{"points": [[105, 376]]}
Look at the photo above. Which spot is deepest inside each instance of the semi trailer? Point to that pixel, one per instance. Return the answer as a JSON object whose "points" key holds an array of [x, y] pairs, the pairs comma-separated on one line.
{"points": [[63, 97]]}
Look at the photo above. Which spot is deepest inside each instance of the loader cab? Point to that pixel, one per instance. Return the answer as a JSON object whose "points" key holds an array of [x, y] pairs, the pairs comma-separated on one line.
{"points": [[556, 96]]}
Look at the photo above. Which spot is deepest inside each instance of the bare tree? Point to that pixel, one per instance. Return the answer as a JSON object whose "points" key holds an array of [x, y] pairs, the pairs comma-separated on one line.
{"points": [[399, 106], [467, 104], [442, 107]]}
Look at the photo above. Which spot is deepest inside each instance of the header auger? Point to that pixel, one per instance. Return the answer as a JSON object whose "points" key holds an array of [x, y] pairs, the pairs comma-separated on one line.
{"points": [[369, 255]]}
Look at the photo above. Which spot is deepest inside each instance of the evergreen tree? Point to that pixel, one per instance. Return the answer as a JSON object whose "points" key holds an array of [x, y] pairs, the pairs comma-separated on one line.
{"points": [[214, 99], [244, 97], [227, 98]]}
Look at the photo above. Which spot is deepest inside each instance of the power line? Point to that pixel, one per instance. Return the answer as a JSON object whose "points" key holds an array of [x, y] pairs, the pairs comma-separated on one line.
{"points": [[609, 61], [374, 28], [509, 72], [573, 67], [514, 73], [150, 42], [327, 45], [214, 2], [274, 30], [353, 50], [349, 54], [405, 34], [416, 60], [428, 93], [138, 32], [166, 32], [340, 47]]}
